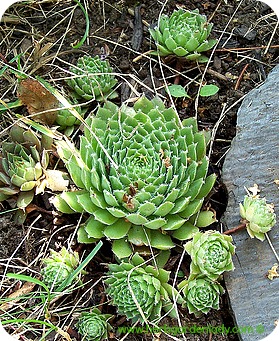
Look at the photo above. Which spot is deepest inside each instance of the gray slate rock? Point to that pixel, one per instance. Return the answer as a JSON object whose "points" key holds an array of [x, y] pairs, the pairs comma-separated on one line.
{"points": [[254, 158]]}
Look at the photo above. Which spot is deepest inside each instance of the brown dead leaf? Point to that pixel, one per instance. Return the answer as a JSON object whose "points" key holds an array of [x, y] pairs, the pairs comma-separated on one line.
{"points": [[38, 99], [273, 272], [25, 289]]}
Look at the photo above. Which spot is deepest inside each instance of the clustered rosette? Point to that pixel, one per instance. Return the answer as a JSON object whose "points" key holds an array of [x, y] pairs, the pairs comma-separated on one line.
{"points": [[211, 253], [92, 79], [141, 175], [184, 34], [258, 216], [58, 267], [141, 291], [201, 294], [94, 325], [23, 160]]}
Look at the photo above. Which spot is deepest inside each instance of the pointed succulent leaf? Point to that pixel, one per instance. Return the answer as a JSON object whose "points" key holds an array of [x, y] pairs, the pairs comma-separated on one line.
{"points": [[71, 198], [205, 218], [117, 230], [160, 241], [94, 228], [24, 199], [121, 248], [138, 235], [186, 231], [61, 205], [83, 237]]}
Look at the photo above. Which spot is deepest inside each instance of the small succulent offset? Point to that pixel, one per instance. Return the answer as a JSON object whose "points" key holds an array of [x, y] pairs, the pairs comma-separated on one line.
{"points": [[23, 168], [211, 253], [58, 267], [201, 294], [141, 174], [65, 118], [258, 216], [93, 79], [140, 291], [22, 161], [184, 34], [94, 325]]}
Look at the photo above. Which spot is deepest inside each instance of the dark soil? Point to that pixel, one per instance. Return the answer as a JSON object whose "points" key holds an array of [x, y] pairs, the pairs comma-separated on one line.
{"points": [[43, 33]]}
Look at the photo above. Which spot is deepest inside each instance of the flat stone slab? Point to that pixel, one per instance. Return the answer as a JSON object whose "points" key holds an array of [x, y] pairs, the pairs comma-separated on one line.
{"points": [[254, 158]]}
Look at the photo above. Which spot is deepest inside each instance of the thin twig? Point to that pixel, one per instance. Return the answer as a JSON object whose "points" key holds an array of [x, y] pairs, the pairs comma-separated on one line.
{"points": [[235, 229], [241, 76]]}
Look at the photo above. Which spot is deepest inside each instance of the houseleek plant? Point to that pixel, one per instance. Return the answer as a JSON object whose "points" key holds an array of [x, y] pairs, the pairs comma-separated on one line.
{"points": [[92, 79], [58, 267], [258, 216], [24, 172], [184, 34], [140, 174], [94, 325], [22, 161], [141, 291], [201, 294], [211, 253]]}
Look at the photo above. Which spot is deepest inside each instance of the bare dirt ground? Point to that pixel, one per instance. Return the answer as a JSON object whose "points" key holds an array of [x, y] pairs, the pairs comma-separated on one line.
{"points": [[41, 33]]}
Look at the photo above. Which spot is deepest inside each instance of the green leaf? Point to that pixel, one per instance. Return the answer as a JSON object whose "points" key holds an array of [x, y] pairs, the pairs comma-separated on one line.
{"points": [[160, 241], [155, 224], [136, 219], [138, 235], [94, 228], [61, 205], [80, 267], [83, 237], [207, 186], [205, 218], [186, 231], [192, 208], [180, 51], [164, 209], [121, 248], [71, 199], [177, 90], [173, 222], [27, 279], [209, 90], [117, 230], [170, 43], [85, 202], [24, 199], [104, 217]]}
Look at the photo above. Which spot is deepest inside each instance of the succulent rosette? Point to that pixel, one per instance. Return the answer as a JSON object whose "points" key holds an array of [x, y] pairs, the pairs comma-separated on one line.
{"points": [[94, 325], [201, 294], [211, 253], [140, 291], [24, 169], [93, 79], [258, 215], [22, 161], [184, 34], [141, 174], [58, 267], [66, 120]]}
